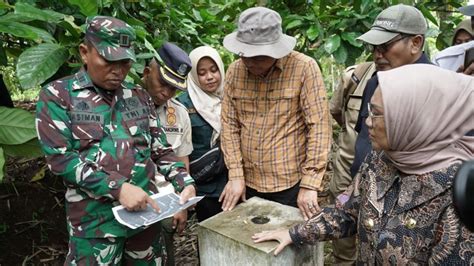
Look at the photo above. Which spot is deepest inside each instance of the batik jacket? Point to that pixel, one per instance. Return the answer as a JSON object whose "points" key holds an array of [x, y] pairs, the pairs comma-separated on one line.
{"points": [[399, 219]]}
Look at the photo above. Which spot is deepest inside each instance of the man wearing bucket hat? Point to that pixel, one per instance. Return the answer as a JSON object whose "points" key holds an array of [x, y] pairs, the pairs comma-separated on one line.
{"points": [[100, 134], [162, 78], [276, 133], [396, 38]]}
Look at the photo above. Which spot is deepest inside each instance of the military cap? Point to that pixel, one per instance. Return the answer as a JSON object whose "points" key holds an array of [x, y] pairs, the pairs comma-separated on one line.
{"points": [[174, 65], [111, 37]]}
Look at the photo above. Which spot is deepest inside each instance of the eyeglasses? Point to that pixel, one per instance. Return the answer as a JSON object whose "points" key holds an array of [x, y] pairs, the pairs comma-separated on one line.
{"points": [[371, 114], [385, 47]]}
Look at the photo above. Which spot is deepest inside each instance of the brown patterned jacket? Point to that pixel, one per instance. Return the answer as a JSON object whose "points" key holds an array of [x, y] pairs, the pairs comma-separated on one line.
{"points": [[399, 219]]}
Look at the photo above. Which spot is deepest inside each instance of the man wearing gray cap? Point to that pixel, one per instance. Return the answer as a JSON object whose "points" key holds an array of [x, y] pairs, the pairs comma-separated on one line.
{"points": [[276, 132], [395, 39]]}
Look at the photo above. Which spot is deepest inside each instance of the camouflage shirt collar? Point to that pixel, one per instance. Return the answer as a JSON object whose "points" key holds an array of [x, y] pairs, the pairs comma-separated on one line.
{"points": [[82, 80]]}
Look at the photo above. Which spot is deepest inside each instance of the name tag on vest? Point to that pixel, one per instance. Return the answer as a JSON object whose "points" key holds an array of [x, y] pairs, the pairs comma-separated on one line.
{"points": [[137, 113], [86, 117]]}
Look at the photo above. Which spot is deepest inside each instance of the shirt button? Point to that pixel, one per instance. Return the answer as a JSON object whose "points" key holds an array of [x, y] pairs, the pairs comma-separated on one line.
{"points": [[261, 115], [112, 184], [410, 223], [262, 98], [369, 223], [256, 148]]}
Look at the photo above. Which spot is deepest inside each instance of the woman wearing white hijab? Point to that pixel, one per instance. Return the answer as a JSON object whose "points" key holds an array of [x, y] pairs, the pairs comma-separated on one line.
{"points": [[203, 101], [400, 204]]}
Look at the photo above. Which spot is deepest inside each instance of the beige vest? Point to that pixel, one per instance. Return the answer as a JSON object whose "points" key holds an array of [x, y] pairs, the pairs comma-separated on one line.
{"points": [[345, 107]]}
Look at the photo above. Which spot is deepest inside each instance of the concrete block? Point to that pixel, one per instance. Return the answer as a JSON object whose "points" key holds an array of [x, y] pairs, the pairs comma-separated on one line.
{"points": [[225, 239]]}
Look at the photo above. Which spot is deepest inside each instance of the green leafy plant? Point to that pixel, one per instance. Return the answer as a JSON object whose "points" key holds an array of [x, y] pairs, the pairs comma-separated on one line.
{"points": [[17, 135]]}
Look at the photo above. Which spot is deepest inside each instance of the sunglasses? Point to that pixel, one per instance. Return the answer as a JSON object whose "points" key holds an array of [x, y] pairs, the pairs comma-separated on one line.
{"points": [[385, 47]]}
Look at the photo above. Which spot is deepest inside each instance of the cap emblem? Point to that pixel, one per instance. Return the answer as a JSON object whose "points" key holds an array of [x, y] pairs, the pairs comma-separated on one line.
{"points": [[124, 40], [182, 69]]}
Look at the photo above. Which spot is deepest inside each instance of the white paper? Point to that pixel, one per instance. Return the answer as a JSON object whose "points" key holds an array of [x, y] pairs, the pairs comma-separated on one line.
{"points": [[168, 203]]}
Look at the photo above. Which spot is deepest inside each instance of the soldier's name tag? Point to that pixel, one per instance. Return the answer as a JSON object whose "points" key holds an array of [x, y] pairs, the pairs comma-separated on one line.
{"points": [[136, 113], [86, 117]]}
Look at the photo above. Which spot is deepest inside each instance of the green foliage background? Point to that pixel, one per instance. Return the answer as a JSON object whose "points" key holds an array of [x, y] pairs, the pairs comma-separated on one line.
{"points": [[41, 36]]}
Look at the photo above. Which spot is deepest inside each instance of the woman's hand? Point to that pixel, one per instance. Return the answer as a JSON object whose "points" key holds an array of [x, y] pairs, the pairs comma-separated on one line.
{"points": [[280, 235]]}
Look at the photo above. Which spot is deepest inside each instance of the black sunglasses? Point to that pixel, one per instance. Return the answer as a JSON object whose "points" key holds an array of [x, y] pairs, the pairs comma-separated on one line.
{"points": [[385, 47]]}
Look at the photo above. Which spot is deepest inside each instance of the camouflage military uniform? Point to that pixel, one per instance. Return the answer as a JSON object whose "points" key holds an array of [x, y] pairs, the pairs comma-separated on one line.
{"points": [[96, 140]]}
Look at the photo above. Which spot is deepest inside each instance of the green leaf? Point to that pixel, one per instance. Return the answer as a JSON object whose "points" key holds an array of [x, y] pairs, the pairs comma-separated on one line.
{"points": [[197, 15], [2, 164], [340, 55], [312, 32], [24, 9], [3, 56], [38, 63], [87, 7], [351, 37], [150, 47], [332, 44], [17, 126], [40, 174], [9, 17], [428, 14], [25, 31], [140, 32], [144, 56], [294, 24], [70, 26], [30, 149], [4, 5]]}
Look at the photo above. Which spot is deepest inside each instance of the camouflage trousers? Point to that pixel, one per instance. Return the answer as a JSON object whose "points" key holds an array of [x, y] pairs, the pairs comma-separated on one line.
{"points": [[143, 248]]}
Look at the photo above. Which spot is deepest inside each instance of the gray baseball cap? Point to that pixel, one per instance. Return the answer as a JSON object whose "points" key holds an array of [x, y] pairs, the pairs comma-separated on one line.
{"points": [[393, 21]]}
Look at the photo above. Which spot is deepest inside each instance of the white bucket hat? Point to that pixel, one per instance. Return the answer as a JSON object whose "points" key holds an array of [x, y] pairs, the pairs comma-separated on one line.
{"points": [[259, 33]]}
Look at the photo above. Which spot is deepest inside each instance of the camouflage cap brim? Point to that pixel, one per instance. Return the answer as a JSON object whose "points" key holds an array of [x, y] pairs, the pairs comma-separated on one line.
{"points": [[111, 53]]}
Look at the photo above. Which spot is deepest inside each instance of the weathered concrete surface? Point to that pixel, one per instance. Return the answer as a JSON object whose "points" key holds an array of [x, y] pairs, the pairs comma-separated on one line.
{"points": [[225, 239]]}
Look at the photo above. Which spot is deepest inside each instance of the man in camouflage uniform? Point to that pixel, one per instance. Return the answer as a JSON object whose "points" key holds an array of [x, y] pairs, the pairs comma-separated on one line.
{"points": [[101, 135]]}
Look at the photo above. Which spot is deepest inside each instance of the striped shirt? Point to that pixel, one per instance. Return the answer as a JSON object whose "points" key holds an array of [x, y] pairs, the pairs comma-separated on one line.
{"points": [[276, 130]]}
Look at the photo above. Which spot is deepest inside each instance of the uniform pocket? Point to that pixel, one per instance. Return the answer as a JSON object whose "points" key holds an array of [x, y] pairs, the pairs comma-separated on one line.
{"points": [[353, 108]]}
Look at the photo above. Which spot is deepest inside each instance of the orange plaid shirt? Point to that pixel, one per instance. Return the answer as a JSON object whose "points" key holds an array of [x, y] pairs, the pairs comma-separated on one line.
{"points": [[276, 130]]}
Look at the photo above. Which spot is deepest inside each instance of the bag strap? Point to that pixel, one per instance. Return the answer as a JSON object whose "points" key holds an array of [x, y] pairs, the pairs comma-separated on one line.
{"points": [[357, 75]]}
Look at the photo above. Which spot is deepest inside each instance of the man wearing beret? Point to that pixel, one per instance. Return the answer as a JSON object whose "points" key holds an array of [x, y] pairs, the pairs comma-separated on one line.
{"points": [[101, 135], [162, 78], [276, 131]]}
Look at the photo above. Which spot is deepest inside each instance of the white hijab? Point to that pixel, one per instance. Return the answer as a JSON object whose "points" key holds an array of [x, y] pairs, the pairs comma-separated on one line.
{"points": [[208, 105]]}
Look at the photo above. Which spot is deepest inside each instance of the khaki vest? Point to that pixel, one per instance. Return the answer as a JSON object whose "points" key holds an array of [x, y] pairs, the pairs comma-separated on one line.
{"points": [[345, 107]]}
